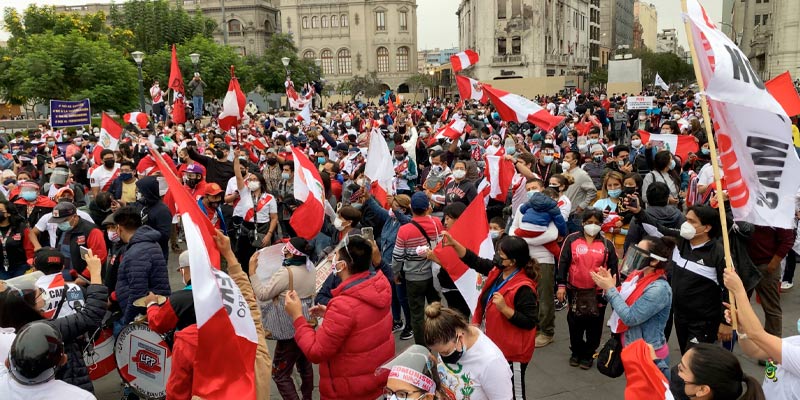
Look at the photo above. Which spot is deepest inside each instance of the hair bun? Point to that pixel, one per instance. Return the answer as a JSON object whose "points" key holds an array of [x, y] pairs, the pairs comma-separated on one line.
{"points": [[433, 310]]}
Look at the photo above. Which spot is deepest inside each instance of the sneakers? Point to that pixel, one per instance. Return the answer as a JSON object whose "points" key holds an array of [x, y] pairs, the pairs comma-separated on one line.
{"points": [[586, 364], [560, 305], [786, 286], [398, 326], [573, 361], [543, 340], [407, 334]]}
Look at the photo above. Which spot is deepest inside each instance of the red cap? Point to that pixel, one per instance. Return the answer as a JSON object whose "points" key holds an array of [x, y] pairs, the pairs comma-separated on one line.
{"points": [[213, 189]]}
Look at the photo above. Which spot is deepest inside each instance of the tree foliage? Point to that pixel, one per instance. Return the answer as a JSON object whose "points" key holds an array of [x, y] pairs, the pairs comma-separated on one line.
{"points": [[155, 25], [369, 84], [268, 71], [668, 65], [419, 82]]}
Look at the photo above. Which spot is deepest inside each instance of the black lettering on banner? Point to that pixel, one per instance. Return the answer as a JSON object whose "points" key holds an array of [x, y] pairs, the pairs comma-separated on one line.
{"points": [[769, 157], [742, 70]]}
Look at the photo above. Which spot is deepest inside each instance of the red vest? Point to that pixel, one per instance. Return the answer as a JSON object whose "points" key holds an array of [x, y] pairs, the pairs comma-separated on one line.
{"points": [[517, 344]]}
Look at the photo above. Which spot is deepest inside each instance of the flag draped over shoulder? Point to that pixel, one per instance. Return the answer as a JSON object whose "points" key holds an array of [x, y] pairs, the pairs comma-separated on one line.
{"points": [[227, 337], [176, 84], [753, 132]]}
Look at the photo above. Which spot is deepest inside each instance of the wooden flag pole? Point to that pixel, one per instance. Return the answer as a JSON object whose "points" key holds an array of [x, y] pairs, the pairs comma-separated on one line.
{"points": [[712, 147]]}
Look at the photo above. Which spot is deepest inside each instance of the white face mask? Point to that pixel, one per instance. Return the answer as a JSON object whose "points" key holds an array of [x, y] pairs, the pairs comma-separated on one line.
{"points": [[459, 174], [591, 229], [565, 166], [636, 143], [688, 231], [113, 236], [338, 224], [253, 185]]}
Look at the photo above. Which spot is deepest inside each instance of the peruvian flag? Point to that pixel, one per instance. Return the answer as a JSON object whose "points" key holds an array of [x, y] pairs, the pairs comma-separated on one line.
{"points": [[307, 218], [225, 329], [445, 114], [110, 133], [782, 89], [297, 101], [644, 379], [500, 173], [472, 231], [176, 84], [512, 107], [470, 89], [137, 118], [260, 143], [305, 114], [462, 60], [232, 105], [379, 168], [679, 145], [453, 130]]}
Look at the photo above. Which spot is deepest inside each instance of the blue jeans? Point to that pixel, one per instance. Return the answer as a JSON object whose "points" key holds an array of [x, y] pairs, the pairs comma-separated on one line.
{"points": [[13, 272], [400, 302], [197, 106]]}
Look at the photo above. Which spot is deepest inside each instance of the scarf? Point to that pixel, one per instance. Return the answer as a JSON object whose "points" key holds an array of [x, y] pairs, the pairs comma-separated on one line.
{"points": [[631, 290]]}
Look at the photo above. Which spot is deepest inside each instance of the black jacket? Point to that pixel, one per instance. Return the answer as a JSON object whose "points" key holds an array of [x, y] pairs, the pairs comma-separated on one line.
{"points": [[142, 270], [72, 328], [219, 172], [155, 211]]}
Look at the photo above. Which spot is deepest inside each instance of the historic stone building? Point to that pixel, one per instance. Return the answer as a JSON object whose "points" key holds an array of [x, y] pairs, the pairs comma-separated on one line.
{"points": [[767, 31], [353, 38], [646, 19], [526, 38]]}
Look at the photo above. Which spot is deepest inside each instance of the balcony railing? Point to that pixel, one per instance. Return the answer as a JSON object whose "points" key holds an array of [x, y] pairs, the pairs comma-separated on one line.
{"points": [[509, 59]]}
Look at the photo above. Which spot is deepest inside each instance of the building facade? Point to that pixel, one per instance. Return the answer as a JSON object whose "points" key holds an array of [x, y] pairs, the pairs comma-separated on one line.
{"points": [[594, 35], [428, 60], [526, 38], [646, 19], [616, 24], [767, 31], [356, 37]]}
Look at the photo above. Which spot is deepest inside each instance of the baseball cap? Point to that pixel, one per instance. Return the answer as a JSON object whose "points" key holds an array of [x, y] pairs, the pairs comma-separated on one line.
{"points": [[271, 151], [62, 211], [419, 201], [48, 259], [183, 260], [194, 169], [403, 200], [60, 192], [399, 149], [213, 189]]}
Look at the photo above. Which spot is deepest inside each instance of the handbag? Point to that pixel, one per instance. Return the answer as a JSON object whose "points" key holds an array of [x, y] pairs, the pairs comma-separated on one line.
{"points": [[584, 303], [278, 325], [609, 358]]}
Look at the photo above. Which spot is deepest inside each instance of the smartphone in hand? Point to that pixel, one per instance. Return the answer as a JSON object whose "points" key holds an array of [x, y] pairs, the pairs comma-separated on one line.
{"points": [[84, 252], [368, 233]]}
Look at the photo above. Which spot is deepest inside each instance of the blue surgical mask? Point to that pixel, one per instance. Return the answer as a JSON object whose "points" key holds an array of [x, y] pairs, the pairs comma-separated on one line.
{"points": [[29, 195], [321, 160], [5, 151], [593, 141], [357, 206], [511, 150], [547, 159], [285, 176], [614, 193], [494, 234], [531, 193], [64, 226], [672, 164], [705, 151]]}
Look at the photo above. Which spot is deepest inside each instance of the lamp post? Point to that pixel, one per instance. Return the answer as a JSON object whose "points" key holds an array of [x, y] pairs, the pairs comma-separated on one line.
{"points": [[285, 62], [138, 57], [195, 60], [318, 63]]}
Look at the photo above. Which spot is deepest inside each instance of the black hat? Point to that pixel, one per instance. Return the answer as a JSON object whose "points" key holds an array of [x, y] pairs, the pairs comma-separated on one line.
{"points": [[48, 259], [62, 211], [35, 354]]}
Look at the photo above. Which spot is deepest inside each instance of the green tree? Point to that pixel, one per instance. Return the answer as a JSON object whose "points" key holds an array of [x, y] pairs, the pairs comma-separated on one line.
{"points": [[668, 65], [155, 25], [269, 72], [369, 84], [599, 77]]}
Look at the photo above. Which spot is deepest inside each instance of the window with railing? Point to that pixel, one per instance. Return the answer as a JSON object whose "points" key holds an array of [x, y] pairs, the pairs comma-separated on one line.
{"points": [[345, 63], [327, 62], [383, 59], [402, 59], [501, 46], [516, 45], [234, 27]]}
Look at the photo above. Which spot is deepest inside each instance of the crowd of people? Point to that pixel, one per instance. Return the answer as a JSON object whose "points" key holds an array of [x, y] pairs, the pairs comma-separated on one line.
{"points": [[597, 216]]}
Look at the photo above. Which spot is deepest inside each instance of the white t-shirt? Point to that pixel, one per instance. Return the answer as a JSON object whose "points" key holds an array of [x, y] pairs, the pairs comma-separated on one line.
{"points": [[44, 225], [481, 374], [706, 175], [7, 336], [102, 178], [784, 383], [245, 202], [55, 389]]}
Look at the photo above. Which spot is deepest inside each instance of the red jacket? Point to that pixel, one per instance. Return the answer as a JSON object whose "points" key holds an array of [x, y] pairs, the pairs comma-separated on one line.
{"points": [[517, 344], [184, 350], [355, 338]]}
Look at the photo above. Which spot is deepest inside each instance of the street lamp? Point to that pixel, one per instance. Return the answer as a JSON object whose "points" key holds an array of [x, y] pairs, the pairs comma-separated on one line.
{"points": [[138, 57], [285, 62], [195, 60]]}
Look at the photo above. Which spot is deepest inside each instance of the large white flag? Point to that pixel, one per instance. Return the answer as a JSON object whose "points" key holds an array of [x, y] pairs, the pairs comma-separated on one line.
{"points": [[753, 131], [660, 82]]}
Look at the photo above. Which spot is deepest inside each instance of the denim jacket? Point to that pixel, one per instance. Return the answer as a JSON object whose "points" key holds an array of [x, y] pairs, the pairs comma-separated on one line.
{"points": [[647, 316], [389, 232]]}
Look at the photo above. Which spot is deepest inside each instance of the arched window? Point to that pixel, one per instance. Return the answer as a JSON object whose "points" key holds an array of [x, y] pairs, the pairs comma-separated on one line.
{"points": [[402, 59], [383, 59], [234, 27], [309, 55], [268, 26], [305, 22], [334, 21], [314, 22], [345, 65], [324, 21], [327, 62], [344, 23]]}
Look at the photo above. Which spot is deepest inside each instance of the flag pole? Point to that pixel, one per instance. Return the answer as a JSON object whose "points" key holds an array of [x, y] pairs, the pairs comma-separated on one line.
{"points": [[712, 147]]}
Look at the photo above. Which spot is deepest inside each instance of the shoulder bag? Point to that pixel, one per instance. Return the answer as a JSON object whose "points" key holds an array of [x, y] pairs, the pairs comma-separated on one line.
{"points": [[609, 358]]}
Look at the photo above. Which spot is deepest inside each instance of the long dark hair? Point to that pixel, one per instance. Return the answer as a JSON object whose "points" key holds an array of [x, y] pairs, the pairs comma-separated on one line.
{"points": [[720, 370], [661, 247], [16, 308], [14, 218], [516, 248]]}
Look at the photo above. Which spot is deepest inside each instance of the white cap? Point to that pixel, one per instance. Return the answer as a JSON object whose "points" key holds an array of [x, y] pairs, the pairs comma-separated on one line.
{"points": [[183, 259]]}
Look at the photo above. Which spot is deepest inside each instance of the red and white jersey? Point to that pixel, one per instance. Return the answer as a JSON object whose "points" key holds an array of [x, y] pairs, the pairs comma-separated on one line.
{"points": [[53, 287], [102, 178], [157, 94]]}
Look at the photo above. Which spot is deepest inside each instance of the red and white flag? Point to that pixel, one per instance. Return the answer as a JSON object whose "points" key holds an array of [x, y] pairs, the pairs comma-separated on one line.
{"points": [[260, 143], [232, 105], [782, 89], [472, 231], [463, 60], [470, 89], [512, 107], [644, 379], [226, 331], [753, 132], [296, 101], [445, 114], [307, 218], [110, 133], [305, 115], [500, 173], [453, 130], [379, 168], [176, 84], [679, 145], [137, 118]]}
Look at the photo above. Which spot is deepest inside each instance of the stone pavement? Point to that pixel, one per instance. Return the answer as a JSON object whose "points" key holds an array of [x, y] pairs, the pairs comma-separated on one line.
{"points": [[549, 376]]}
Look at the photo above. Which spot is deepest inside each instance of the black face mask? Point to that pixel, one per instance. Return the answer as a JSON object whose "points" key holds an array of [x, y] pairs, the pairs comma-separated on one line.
{"points": [[214, 204], [629, 190], [272, 161], [219, 154], [498, 262], [192, 183], [3, 218], [109, 163], [455, 356], [294, 261]]}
